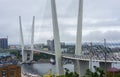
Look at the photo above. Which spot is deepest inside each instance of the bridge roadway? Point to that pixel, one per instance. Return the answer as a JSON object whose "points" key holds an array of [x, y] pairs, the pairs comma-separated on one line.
{"points": [[110, 58]]}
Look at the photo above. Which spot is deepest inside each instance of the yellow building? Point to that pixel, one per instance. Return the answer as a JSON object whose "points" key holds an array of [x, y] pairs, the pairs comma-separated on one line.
{"points": [[50, 74]]}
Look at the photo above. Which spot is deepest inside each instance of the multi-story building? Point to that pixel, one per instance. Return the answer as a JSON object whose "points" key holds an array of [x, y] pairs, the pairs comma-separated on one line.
{"points": [[10, 71], [4, 43], [50, 44], [64, 47]]}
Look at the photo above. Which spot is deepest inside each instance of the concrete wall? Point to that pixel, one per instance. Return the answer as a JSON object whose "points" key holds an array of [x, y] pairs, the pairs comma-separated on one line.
{"points": [[80, 67], [102, 65]]}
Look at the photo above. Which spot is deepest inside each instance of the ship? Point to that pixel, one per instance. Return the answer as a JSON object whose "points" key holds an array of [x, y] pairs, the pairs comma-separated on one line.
{"points": [[52, 61]]}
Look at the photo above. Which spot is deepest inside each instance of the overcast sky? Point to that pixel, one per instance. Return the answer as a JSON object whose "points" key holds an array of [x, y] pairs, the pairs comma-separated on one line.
{"points": [[101, 19]]}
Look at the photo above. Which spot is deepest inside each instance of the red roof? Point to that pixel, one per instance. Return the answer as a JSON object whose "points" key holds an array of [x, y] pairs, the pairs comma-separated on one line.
{"points": [[113, 69]]}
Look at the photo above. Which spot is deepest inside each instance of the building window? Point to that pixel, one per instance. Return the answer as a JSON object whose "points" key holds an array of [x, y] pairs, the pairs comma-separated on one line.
{"points": [[12, 73], [28, 58], [4, 72], [28, 54]]}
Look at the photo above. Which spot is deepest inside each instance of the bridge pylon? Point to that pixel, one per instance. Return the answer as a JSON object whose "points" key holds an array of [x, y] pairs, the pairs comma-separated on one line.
{"points": [[26, 56], [22, 40], [59, 67], [79, 65], [32, 39]]}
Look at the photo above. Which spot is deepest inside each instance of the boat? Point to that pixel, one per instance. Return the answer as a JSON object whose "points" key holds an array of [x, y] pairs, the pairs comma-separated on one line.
{"points": [[27, 62], [26, 74], [52, 61]]}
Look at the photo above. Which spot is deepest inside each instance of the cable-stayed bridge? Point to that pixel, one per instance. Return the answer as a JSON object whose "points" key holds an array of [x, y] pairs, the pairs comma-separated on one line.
{"points": [[81, 61], [86, 57]]}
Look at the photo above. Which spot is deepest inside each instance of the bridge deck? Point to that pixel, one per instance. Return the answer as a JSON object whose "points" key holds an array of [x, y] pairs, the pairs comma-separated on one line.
{"points": [[94, 58], [97, 58]]}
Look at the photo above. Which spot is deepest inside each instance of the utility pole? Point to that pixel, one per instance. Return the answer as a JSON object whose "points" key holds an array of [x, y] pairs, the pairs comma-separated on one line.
{"points": [[105, 58], [91, 50]]}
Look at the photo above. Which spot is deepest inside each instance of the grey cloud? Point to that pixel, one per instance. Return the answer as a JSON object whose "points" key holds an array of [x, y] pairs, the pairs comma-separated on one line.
{"points": [[98, 36], [102, 22], [94, 9], [101, 9], [66, 37]]}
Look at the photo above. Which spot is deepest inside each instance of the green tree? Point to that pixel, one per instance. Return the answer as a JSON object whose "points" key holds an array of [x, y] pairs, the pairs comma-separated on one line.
{"points": [[39, 56], [97, 73], [69, 74]]}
